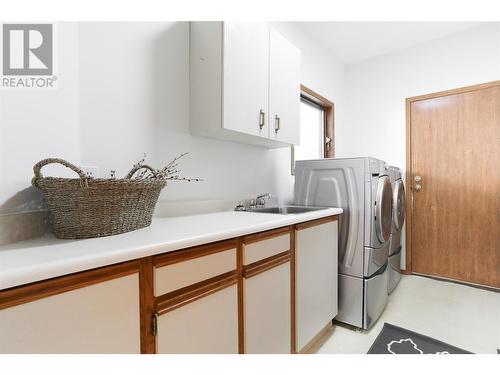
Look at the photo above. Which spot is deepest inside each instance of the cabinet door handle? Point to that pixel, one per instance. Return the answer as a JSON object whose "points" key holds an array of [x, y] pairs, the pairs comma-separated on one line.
{"points": [[277, 124], [262, 119]]}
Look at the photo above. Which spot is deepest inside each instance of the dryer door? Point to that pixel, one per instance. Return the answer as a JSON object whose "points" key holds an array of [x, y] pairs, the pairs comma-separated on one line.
{"points": [[398, 209], [383, 209]]}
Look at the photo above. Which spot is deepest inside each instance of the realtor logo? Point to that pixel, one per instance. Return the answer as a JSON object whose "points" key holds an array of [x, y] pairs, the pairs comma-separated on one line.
{"points": [[27, 49], [27, 56]]}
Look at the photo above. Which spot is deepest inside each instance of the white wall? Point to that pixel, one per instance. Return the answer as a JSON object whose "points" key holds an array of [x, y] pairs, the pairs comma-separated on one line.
{"points": [[123, 90], [322, 72], [36, 124], [376, 89], [134, 99]]}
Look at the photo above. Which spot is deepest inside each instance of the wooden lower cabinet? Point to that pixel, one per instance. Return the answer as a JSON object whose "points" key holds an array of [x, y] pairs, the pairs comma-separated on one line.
{"points": [[100, 318], [196, 294], [269, 292], [267, 311], [207, 325]]}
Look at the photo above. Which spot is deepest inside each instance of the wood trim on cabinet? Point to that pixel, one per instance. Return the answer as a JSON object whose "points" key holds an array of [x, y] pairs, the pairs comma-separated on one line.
{"points": [[265, 264], [313, 223], [409, 165], [256, 237], [46, 288], [181, 297], [194, 252], [241, 300], [147, 305], [293, 291]]}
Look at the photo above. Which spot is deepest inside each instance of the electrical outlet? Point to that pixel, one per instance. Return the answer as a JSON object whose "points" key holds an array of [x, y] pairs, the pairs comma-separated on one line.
{"points": [[90, 171]]}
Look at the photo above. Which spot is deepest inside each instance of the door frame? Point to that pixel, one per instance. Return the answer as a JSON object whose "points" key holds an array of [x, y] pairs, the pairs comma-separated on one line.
{"points": [[409, 172]]}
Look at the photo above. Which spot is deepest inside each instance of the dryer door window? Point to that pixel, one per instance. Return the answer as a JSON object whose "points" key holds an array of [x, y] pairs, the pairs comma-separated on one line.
{"points": [[383, 209], [398, 213]]}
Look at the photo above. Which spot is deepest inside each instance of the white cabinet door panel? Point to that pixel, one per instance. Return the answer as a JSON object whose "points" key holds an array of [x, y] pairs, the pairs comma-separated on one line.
{"points": [[208, 325], [267, 311], [246, 77], [284, 89], [316, 280], [101, 318]]}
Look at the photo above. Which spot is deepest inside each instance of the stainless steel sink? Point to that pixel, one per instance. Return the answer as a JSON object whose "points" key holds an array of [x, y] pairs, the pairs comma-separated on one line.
{"points": [[284, 210]]}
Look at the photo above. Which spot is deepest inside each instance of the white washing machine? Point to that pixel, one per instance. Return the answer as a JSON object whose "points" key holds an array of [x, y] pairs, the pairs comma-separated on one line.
{"points": [[398, 217], [362, 188]]}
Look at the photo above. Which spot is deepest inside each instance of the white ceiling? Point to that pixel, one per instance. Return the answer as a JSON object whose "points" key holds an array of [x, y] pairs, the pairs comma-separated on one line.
{"points": [[353, 42]]}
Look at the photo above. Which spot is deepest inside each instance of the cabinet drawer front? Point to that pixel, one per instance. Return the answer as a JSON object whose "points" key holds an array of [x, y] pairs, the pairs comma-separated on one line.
{"points": [[208, 325], [265, 248], [178, 275]]}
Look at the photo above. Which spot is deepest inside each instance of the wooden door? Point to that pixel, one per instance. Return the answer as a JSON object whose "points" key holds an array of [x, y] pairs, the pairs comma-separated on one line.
{"points": [[246, 77], [455, 149], [284, 90]]}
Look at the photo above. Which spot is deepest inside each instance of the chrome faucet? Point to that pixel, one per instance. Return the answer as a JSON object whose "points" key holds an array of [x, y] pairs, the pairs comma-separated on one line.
{"points": [[260, 201]]}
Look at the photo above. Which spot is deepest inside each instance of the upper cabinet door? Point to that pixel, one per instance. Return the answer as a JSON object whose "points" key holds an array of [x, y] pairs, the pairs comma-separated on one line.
{"points": [[246, 78], [284, 87]]}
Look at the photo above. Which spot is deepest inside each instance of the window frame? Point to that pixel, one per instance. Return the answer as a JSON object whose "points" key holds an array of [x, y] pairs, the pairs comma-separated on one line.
{"points": [[329, 123]]}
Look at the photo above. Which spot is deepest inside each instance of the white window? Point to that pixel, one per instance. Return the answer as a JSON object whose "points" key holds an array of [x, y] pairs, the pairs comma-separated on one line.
{"points": [[316, 128], [312, 128]]}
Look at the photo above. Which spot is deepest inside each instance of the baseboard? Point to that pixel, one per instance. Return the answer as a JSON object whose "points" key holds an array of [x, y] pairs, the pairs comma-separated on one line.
{"points": [[317, 341], [479, 286]]}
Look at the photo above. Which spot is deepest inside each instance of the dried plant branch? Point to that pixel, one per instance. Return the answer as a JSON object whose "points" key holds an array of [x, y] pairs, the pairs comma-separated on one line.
{"points": [[170, 172]]}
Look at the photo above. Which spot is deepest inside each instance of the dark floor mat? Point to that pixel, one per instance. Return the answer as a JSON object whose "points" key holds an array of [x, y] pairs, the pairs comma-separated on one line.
{"points": [[397, 340]]}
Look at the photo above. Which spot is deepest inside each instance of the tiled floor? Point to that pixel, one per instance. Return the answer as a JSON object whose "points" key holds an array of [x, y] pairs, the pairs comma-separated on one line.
{"points": [[460, 315]]}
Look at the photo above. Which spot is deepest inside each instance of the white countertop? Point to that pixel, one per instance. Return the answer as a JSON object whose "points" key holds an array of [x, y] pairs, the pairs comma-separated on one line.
{"points": [[43, 258]]}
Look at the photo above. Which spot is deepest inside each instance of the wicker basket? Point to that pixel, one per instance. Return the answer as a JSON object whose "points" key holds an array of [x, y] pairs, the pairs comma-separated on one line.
{"points": [[86, 207]]}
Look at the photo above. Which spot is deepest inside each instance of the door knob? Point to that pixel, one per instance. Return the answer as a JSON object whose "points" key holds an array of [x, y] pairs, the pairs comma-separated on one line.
{"points": [[418, 178], [328, 143], [418, 187]]}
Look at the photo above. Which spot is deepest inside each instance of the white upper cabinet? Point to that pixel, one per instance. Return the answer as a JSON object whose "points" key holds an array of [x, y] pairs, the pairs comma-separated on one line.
{"points": [[284, 89], [246, 78], [243, 75]]}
